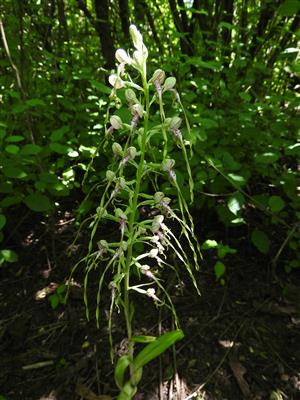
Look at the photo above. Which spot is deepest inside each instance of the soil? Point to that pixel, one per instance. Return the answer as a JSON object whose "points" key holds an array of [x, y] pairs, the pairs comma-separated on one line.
{"points": [[241, 337]]}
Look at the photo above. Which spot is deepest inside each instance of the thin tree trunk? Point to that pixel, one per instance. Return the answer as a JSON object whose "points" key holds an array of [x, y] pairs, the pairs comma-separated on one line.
{"points": [[124, 15]]}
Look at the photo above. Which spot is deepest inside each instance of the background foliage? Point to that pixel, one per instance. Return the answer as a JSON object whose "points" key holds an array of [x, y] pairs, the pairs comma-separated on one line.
{"points": [[237, 66]]}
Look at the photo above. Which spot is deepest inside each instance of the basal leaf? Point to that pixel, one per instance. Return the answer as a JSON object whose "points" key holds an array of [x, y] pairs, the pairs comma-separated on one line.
{"points": [[154, 349]]}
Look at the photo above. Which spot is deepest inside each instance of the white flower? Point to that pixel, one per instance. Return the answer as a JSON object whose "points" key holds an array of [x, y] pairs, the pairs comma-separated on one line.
{"points": [[116, 122], [116, 81], [136, 37], [123, 57]]}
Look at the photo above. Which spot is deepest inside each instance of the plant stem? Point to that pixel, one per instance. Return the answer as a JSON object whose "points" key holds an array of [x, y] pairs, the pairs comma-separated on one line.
{"points": [[132, 219]]}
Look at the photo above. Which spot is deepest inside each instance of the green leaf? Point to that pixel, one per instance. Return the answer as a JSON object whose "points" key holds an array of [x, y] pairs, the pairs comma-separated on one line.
{"points": [[267, 158], [122, 365], [31, 149], [219, 269], [12, 149], [14, 172], [223, 250], [209, 244], [11, 200], [260, 241], [59, 133], [154, 349], [38, 202], [276, 203], [289, 8], [6, 187], [59, 148], [35, 103], [238, 180], [235, 203], [54, 300], [101, 87], [2, 221], [14, 138], [143, 339], [8, 256]]}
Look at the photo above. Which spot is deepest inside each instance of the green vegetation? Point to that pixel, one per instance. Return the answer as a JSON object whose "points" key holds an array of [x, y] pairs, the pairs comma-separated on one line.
{"points": [[172, 157]]}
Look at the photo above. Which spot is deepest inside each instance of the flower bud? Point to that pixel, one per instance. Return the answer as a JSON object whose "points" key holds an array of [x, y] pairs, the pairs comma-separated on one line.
{"points": [[175, 123], [169, 83], [153, 253], [121, 182], [158, 76], [116, 122], [117, 149], [130, 96], [158, 196], [131, 152], [101, 212], [123, 57], [167, 165], [136, 37], [110, 175], [137, 109], [120, 214], [156, 223], [116, 81]]}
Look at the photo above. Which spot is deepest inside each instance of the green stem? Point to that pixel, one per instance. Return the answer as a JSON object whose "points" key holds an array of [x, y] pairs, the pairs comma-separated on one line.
{"points": [[132, 218]]}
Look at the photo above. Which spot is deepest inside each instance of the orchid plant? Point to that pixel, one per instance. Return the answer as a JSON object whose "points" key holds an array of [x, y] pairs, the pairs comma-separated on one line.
{"points": [[134, 162]]}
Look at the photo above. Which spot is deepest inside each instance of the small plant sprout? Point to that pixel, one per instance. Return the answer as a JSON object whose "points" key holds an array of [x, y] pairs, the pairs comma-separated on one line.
{"points": [[138, 167]]}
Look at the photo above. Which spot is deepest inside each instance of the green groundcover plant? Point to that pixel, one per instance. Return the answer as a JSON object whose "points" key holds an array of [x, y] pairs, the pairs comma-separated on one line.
{"points": [[139, 154]]}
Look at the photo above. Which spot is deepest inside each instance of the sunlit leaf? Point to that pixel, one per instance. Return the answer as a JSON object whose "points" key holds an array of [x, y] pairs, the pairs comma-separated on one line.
{"points": [[154, 349], [8, 256]]}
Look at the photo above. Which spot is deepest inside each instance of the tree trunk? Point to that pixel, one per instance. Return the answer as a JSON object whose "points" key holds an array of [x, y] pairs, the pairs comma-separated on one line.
{"points": [[105, 33]]}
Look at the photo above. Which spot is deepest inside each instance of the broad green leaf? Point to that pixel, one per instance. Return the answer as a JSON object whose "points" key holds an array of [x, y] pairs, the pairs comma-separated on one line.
{"points": [[154, 349], [209, 244], [239, 180], [31, 149], [35, 103], [59, 133], [267, 158], [11, 200], [276, 203], [8, 256], [219, 269], [12, 149], [122, 365], [14, 172], [289, 8], [101, 87], [14, 138], [59, 148], [38, 202], [260, 241], [2, 221], [236, 202]]}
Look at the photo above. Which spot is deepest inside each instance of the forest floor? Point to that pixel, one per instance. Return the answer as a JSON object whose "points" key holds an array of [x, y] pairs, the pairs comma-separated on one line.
{"points": [[241, 338]]}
